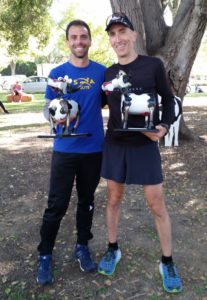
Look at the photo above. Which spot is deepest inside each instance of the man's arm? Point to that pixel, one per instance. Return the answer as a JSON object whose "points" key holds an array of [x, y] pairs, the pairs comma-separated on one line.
{"points": [[46, 109], [168, 105], [50, 94], [103, 99], [167, 97]]}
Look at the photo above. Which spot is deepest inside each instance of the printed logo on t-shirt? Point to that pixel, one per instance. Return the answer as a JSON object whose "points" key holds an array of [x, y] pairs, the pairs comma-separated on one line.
{"points": [[84, 83]]}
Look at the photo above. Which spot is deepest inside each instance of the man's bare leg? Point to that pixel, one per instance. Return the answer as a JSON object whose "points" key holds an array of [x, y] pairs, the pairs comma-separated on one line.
{"points": [[115, 194], [156, 203]]}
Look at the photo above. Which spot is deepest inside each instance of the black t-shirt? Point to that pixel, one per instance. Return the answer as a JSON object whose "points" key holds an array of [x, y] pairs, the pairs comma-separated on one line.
{"points": [[147, 75]]}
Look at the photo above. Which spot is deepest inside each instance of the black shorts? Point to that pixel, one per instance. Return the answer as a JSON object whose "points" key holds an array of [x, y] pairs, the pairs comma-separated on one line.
{"points": [[132, 164]]}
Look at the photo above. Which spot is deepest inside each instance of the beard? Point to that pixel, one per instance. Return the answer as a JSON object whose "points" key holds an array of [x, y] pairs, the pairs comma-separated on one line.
{"points": [[80, 55]]}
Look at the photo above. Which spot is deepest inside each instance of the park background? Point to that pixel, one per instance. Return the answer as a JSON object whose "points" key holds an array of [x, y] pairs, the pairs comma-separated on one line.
{"points": [[25, 167]]}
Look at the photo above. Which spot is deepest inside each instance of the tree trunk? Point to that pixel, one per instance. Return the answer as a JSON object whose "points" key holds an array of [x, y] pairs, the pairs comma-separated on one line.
{"points": [[177, 46], [13, 65]]}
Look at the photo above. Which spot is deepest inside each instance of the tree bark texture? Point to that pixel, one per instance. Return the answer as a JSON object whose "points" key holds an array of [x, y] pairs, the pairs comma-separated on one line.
{"points": [[177, 45], [13, 65]]}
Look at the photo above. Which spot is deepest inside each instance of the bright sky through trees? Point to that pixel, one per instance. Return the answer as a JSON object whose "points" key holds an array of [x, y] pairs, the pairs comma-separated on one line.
{"points": [[90, 10]]}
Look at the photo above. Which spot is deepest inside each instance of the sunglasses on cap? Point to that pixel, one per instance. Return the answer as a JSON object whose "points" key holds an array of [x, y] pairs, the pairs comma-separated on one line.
{"points": [[118, 18]]}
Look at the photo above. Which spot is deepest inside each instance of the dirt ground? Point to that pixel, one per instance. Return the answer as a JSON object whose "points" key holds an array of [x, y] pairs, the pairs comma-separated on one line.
{"points": [[25, 167]]}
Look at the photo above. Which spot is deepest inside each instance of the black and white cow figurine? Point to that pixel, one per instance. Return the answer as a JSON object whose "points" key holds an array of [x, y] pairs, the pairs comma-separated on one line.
{"points": [[131, 103], [121, 82], [65, 111], [171, 138], [61, 110], [173, 132], [143, 105]]}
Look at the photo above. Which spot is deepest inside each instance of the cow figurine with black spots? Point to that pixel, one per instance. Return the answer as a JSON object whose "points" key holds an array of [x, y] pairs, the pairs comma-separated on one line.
{"points": [[131, 103], [171, 138], [63, 111], [121, 82]]}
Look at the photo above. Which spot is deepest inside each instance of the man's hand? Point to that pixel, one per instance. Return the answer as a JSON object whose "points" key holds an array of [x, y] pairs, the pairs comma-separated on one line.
{"points": [[155, 136], [60, 122]]}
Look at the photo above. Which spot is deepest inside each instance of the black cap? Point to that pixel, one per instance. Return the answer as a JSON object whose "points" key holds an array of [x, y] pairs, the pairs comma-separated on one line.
{"points": [[118, 18]]}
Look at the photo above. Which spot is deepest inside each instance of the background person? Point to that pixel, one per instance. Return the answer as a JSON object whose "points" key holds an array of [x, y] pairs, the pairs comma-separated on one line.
{"points": [[17, 91], [3, 108]]}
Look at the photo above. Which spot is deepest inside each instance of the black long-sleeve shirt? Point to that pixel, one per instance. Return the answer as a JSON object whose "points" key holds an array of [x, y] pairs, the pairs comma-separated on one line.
{"points": [[147, 75]]}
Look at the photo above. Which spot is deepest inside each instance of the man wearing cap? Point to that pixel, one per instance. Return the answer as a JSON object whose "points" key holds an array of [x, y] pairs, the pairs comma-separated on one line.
{"points": [[134, 157]]}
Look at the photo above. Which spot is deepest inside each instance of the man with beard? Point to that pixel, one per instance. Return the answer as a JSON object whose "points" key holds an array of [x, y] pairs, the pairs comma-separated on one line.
{"points": [[75, 159]]}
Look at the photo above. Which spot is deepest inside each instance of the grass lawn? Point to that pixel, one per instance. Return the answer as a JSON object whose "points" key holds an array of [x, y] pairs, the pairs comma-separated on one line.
{"points": [[38, 103], [196, 95], [14, 107]]}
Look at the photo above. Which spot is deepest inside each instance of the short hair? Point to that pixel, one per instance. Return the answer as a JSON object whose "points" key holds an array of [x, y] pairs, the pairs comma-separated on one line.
{"points": [[78, 23]]}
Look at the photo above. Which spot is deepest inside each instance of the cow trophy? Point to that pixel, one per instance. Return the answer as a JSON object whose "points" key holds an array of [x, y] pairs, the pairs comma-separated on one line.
{"points": [[64, 114], [131, 103]]}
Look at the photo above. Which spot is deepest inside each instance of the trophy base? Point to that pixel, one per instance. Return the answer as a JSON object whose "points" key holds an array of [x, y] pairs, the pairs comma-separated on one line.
{"points": [[68, 135], [131, 129]]}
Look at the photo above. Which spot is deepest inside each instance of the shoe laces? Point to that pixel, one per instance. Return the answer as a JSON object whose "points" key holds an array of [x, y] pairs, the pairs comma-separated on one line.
{"points": [[171, 270], [109, 255], [83, 251], [44, 263]]}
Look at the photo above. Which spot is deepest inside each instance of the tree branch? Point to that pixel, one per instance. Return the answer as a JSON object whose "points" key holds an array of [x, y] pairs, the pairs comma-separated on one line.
{"points": [[183, 42], [155, 26]]}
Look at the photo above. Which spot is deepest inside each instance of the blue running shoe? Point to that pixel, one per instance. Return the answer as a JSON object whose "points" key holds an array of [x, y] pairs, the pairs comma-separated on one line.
{"points": [[83, 256], [109, 262], [171, 279], [44, 270]]}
